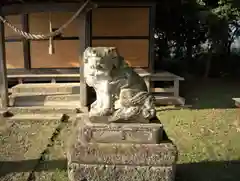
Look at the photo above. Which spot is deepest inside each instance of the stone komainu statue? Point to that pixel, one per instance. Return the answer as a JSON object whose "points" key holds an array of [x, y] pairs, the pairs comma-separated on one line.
{"points": [[121, 93]]}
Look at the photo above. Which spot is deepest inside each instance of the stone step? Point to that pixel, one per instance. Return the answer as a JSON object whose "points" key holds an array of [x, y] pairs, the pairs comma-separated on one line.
{"points": [[44, 110], [36, 117], [30, 103], [67, 97], [75, 103], [73, 88], [41, 99]]}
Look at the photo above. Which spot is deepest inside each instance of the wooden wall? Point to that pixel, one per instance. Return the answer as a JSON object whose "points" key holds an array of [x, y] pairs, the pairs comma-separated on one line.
{"points": [[135, 52], [66, 54], [128, 23], [120, 22], [14, 55], [125, 26], [66, 51], [14, 50], [16, 20], [39, 23]]}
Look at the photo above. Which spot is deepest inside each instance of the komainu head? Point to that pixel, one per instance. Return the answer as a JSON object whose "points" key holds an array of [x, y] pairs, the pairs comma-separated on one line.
{"points": [[101, 58]]}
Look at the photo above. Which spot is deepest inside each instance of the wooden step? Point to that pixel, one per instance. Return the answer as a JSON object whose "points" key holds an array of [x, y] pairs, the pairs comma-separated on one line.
{"points": [[158, 90], [169, 100]]}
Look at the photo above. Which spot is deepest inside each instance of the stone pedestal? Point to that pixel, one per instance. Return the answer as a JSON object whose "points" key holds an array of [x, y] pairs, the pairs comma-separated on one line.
{"points": [[120, 152]]}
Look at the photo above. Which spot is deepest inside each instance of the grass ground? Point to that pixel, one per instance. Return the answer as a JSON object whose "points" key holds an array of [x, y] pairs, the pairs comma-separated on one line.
{"points": [[208, 143], [207, 136]]}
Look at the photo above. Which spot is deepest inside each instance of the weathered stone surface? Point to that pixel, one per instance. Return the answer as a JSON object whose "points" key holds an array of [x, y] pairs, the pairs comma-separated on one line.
{"points": [[84, 172], [47, 88], [128, 154], [120, 151], [108, 119], [119, 132]]}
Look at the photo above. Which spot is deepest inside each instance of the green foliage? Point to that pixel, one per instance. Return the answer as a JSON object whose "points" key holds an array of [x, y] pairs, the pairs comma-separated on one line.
{"points": [[226, 10], [194, 28]]}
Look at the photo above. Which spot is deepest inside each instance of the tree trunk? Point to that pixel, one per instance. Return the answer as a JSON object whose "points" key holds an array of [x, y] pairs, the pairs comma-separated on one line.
{"points": [[189, 57], [208, 65]]}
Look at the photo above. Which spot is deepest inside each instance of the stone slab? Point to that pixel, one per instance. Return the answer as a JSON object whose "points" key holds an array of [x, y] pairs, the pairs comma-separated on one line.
{"points": [[47, 88], [149, 133], [163, 154], [45, 110], [80, 172]]}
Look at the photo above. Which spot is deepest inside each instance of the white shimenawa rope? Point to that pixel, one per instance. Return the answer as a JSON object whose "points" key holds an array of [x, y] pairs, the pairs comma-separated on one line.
{"points": [[44, 36]]}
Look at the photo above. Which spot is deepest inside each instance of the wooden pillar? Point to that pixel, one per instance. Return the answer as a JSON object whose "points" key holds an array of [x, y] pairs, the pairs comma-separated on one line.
{"points": [[82, 41], [26, 43], [176, 88], [152, 19], [3, 70]]}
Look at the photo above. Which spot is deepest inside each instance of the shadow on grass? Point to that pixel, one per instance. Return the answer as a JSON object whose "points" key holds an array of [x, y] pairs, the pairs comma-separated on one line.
{"points": [[211, 93], [7, 167], [209, 171], [202, 171]]}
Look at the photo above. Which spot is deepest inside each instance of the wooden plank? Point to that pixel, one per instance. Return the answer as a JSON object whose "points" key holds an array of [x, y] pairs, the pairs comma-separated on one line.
{"points": [[82, 36], [158, 90], [49, 75], [26, 8], [43, 75], [56, 71], [3, 71], [161, 76], [169, 100], [125, 4], [155, 78]]}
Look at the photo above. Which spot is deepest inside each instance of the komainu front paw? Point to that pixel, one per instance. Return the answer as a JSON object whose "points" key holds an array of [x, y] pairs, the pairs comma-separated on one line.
{"points": [[100, 112]]}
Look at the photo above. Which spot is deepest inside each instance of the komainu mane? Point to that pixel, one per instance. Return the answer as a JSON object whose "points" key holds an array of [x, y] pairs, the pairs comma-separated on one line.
{"points": [[121, 93]]}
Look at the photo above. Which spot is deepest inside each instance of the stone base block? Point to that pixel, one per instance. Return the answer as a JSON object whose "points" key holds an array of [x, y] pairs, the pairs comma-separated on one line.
{"points": [[163, 154], [95, 172], [147, 133], [120, 152]]}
